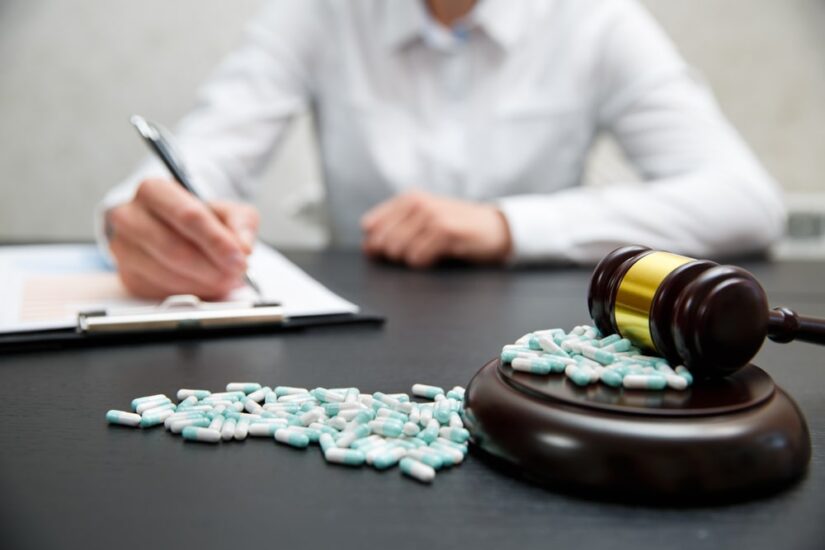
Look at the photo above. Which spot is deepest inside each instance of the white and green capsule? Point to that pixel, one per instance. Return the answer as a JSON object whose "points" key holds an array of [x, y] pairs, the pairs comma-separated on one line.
{"points": [[386, 427], [138, 400], [203, 435], [417, 470], [426, 391], [644, 382], [183, 393], [148, 405], [387, 459], [292, 437], [123, 418], [458, 435], [328, 396], [246, 387], [348, 457]]}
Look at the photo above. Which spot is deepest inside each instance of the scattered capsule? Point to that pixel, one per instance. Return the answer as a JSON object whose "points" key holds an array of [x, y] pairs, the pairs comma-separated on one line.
{"points": [[622, 345], [644, 382], [410, 429], [252, 406], [204, 435], [259, 395], [348, 457], [337, 422], [389, 413], [217, 423], [267, 429], [456, 393], [183, 393], [311, 416], [331, 409], [676, 382], [326, 442], [459, 435], [417, 469], [386, 427], [368, 441], [389, 458], [148, 405], [428, 457], [428, 392], [348, 437], [428, 434], [454, 455], [246, 387], [138, 400], [442, 411], [596, 354], [292, 438], [228, 429], [550, 346], [684, 373], [123, 418], [177, 426], [612, 378], [298, 398], [534, 365], [155, 419], [289, 390], [328, 396], [188, 402], [578, 375]]}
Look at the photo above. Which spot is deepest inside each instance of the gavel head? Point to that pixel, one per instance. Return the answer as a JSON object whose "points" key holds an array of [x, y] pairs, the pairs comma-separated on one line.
{"points": [[708, 317]]}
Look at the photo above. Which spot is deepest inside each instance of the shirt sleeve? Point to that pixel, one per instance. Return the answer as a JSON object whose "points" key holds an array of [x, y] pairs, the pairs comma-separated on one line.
{"points": [[243, 110], [702, 193]]}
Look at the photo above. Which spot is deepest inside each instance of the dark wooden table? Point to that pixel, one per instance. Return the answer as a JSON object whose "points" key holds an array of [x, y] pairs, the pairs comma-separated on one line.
{"points": [[67, 480]]}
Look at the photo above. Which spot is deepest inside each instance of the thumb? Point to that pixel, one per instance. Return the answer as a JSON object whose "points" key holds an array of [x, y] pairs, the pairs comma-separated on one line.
{"points": [[242, 219]]}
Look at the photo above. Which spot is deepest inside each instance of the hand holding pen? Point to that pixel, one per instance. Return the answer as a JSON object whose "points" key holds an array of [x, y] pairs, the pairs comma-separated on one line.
{"points": [[168, 241]]}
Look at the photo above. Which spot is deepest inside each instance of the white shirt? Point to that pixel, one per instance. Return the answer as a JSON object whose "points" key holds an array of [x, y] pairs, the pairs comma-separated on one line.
{"points": [[502, 109]]}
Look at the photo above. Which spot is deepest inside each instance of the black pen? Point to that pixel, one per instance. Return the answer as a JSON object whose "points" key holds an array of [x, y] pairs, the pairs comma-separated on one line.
{"points": [[160, 146]]}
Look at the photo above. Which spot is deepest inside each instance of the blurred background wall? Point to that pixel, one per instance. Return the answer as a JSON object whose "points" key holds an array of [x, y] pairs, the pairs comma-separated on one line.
{"points": [[71, 73]]}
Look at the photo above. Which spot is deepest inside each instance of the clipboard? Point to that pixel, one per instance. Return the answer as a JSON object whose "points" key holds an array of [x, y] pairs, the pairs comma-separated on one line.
{"points": [[180, 317], [60, 296]]}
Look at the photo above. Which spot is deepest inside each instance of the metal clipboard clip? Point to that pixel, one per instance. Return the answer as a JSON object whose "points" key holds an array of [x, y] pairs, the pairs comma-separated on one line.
{"points": [[181, 312]]}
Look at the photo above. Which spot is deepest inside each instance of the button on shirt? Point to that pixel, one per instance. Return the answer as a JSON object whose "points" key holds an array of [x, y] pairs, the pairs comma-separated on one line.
{"points": [[502, 109]]}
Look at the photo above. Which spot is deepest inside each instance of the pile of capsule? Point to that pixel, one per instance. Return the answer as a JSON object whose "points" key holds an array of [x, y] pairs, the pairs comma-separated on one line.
{"points": [[586, 358], [351, 428]]}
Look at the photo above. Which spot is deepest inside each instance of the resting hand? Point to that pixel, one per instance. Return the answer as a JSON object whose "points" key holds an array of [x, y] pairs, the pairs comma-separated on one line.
{"points": [[167, 241], [419, 229]]}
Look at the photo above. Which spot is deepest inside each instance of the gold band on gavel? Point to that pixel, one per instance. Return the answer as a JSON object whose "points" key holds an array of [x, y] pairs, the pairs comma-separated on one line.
{"points": [[636, 293]]}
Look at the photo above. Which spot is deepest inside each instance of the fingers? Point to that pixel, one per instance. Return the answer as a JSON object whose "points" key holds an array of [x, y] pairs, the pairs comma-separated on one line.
{"points": [[143, 276], [399, 216], [379, 214], [426, 250], [402, 236], [193, 219], [420, 229], [242, 219], [141, 230]]}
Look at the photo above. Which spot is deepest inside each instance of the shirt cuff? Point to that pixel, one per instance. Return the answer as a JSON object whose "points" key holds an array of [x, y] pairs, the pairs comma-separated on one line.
{"points": [[536, 228]]}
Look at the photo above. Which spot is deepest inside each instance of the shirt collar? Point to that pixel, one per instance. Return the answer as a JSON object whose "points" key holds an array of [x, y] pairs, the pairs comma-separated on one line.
{"points": [[503, 20], [406, 20]]}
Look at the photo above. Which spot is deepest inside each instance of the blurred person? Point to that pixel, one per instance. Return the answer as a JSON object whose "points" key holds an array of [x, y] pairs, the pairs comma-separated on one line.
{"points": [[449, 129]]}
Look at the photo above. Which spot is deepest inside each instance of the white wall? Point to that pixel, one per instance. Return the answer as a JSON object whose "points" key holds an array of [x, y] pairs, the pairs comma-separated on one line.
{"points": [[72, 72]]}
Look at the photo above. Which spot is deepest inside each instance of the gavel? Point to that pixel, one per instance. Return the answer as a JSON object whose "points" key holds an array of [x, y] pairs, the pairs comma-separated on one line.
{"points": [[711, 318]]}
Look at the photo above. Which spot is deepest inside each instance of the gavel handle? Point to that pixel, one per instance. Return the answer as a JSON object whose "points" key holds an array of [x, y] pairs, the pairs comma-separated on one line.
{"points": [[785, 325]]}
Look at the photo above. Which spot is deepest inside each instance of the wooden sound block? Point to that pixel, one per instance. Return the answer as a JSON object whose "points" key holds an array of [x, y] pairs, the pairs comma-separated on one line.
{"points": [[724, 439]]}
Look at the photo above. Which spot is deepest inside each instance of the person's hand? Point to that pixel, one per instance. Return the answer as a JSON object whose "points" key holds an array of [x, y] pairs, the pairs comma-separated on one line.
{"points": [[167, 241], [420, 228]]}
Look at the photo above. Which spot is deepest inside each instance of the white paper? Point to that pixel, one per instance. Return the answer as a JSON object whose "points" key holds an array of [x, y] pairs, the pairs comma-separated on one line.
{"points": [[44, 287]]}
